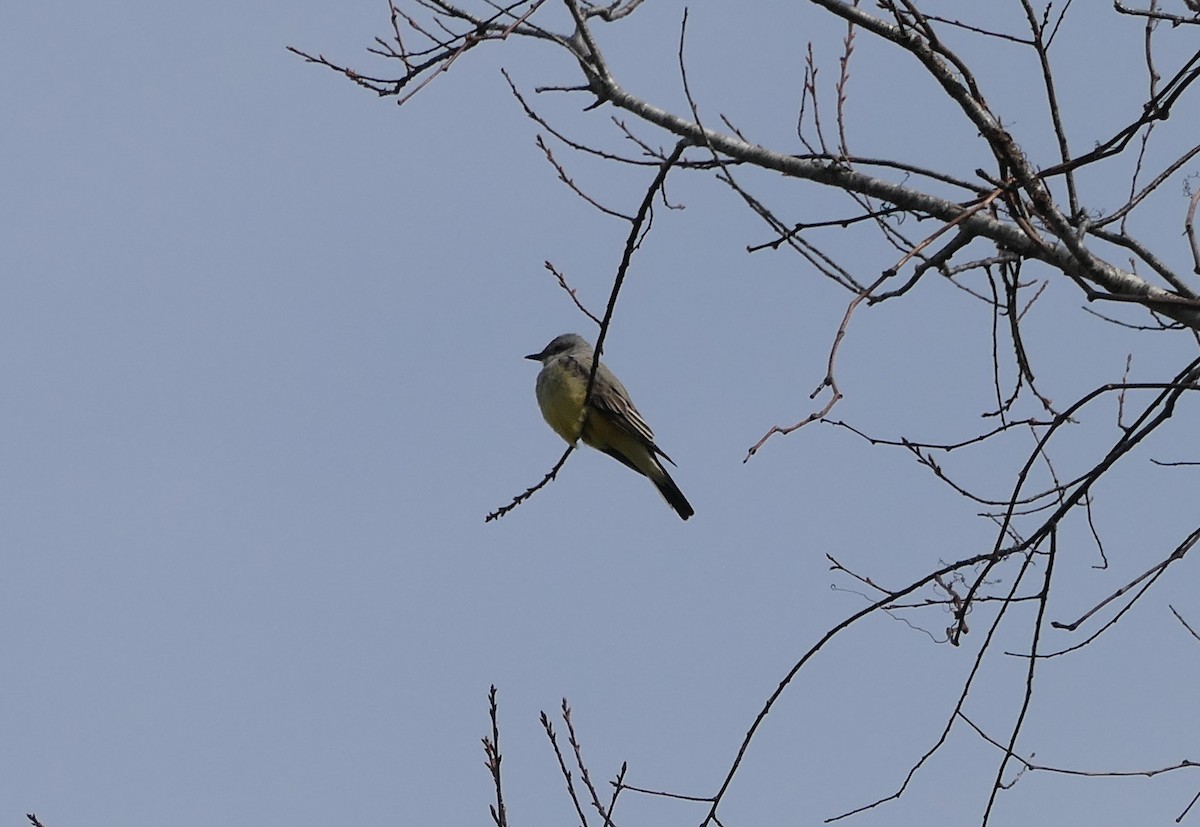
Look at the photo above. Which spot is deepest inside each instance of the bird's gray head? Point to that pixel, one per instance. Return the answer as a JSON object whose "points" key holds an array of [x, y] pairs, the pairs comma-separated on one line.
{"points": [[560, 345]]}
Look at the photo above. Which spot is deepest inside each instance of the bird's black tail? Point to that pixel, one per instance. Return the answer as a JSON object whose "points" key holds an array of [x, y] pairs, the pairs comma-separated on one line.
{"points": [[671, 493]]}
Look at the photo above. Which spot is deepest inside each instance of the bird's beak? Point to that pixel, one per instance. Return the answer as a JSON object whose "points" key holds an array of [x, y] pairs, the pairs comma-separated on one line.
{"points": [[537, 357]]}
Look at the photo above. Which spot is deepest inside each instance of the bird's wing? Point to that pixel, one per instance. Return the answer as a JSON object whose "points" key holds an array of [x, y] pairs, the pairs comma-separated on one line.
{"points": [[611, 400], [610, 397]]}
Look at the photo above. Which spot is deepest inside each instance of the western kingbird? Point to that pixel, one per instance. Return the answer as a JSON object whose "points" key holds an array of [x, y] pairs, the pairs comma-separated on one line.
{"points": [[612, 425]]}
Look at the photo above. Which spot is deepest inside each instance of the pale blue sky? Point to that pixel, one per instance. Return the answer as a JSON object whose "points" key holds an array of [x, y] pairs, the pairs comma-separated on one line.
{"points": [[260, 344]]}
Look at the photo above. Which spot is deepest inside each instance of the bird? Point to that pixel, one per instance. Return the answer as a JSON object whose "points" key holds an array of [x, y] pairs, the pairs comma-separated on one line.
{"points": [[612, 424]]}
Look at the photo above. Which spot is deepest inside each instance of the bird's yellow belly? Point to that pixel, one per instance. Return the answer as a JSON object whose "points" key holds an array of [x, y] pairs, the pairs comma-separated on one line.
{"points": [[560, 396]]}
